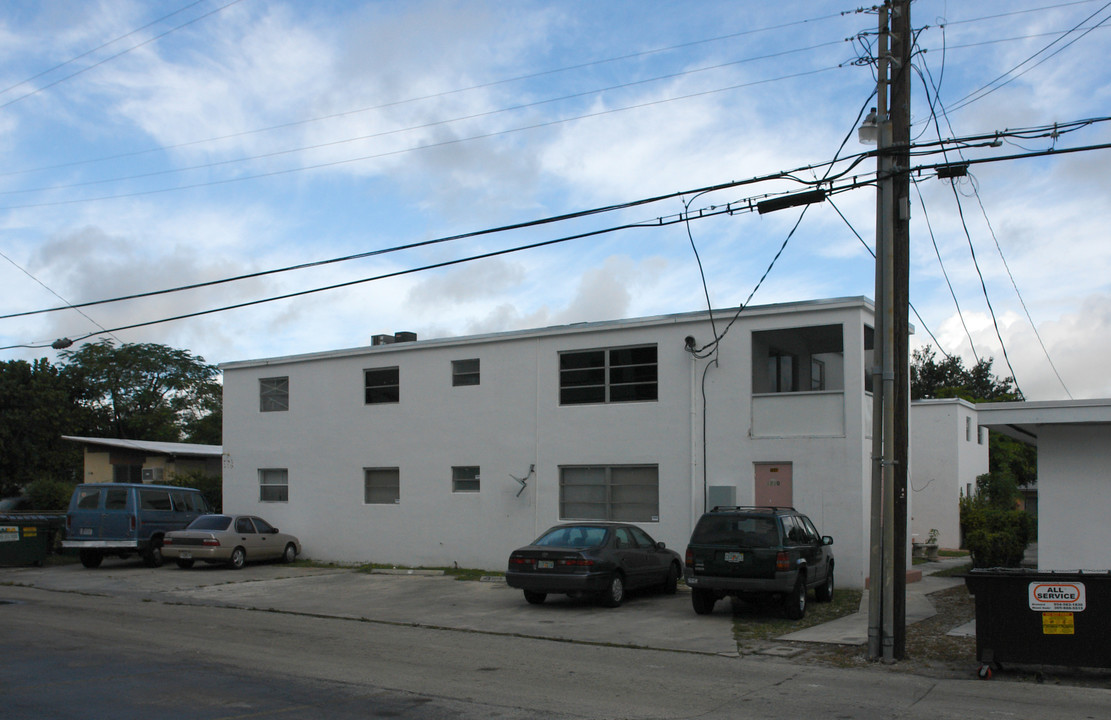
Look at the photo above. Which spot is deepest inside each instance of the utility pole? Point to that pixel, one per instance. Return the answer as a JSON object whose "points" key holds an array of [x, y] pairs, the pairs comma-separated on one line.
{"points": [[890, 375], [901, 46]]}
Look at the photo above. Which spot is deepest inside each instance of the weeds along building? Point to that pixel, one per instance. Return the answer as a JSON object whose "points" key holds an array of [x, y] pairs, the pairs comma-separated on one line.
{"points": [[457, 450]]}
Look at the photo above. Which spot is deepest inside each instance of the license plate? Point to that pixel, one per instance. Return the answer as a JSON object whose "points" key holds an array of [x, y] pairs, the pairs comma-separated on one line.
{"points": [[545, 564], [86, 531], [185, 555], [734, 557]]}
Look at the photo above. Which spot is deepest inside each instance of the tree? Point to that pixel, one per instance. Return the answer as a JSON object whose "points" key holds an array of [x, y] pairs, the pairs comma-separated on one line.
{"points": [[146, 391], [949, 378], [38, 404]]}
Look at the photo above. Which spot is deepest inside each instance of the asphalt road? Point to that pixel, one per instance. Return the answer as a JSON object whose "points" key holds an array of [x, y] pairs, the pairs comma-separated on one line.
{"points": [[141, 647]]}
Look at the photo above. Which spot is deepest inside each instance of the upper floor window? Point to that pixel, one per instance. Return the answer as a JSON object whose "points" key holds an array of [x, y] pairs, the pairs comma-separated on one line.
{"points": [[464, 372], [605, 376], [383, 385], [273, 394]]}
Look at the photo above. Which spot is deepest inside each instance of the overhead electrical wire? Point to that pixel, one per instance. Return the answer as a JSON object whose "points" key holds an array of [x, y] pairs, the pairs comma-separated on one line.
{"points": [[994, 85], [872, 252], [431, 96], [113, 57], [113, 41], [411, 128], [1018, 293], [730, 208], [428, 146]]}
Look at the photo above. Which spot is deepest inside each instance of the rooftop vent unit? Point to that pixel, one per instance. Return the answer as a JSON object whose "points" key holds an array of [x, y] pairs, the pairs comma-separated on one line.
{"points": [[405, 337], [382, 340]]}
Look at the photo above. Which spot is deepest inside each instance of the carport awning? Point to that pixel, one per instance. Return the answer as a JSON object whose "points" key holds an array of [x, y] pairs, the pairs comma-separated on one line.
{"points": [[1021, 420]]}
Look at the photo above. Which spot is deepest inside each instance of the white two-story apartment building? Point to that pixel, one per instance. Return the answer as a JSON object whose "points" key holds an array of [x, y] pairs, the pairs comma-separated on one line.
{"points": [[457, 450]]}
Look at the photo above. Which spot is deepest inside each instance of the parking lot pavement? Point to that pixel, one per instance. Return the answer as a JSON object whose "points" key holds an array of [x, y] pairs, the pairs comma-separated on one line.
{"points": [[646, 619]]}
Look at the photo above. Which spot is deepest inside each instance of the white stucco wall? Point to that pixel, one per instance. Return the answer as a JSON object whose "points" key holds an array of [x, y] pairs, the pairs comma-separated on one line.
{"points": [[948, 451], [1074, 492], [513, 421]]}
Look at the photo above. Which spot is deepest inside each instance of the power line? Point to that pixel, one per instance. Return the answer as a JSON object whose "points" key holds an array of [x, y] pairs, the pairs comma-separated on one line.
{"points": [[984, 91], [411, 128], [113, 41], [792, 174], [432, 96], [113, 57]]}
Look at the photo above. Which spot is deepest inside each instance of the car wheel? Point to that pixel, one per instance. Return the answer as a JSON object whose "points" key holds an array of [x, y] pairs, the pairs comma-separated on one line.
{"points": [[535, 598], [91, 558], [614, 594], [153, 555], [290, 553], [824, 593], [796, 600], [238, 559], [184, 564], [671, 583], [703, 601]]}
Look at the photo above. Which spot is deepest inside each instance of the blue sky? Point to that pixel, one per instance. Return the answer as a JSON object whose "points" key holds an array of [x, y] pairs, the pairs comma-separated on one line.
{"points": [[150, 145]]}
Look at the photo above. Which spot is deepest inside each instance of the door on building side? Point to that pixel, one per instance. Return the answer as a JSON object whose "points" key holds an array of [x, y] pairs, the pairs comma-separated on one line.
{"points": [[773, 484]]}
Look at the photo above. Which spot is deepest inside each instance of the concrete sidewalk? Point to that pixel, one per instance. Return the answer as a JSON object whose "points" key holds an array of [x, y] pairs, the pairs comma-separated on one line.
{"points": [[853, 629]]}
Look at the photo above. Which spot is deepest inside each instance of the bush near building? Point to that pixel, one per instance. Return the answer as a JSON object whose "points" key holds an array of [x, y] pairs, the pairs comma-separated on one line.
{"points": [[995, 532]]}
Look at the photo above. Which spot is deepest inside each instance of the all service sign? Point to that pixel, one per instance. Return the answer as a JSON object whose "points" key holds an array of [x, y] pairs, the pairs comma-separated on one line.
{"points": [[1057, 596]]}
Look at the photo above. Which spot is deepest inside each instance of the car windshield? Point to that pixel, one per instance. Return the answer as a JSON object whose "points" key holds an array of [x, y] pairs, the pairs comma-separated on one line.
{"points": [[210, 522], [735, 530], [576, 536]]}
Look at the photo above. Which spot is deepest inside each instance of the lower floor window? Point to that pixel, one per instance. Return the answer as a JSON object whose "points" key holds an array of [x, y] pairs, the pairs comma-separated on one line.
{"points": [[273, 485], [464, 479], [629, 493], [381, 486]]}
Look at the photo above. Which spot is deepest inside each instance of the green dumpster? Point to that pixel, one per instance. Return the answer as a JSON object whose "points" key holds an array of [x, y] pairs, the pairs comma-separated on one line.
{"points": [[26, 538]]}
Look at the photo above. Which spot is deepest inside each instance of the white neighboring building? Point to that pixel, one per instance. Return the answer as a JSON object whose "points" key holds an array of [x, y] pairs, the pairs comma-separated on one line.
{"points": [[458, 450], [948, 451], [1074, 483]]}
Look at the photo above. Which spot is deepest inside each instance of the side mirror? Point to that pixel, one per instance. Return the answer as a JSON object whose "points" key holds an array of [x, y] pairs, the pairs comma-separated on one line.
{"points": [[827, 540], [660, 545]]}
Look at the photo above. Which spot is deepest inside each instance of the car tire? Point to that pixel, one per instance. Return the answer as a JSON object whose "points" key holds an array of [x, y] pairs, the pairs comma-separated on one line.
{"points": [[703, 601], [795, 604], [535, 598], [184, 564], [238, 559], [671, 582], [824, 592], [91, 558], [152, 556], [290, 553], [614, 594]]}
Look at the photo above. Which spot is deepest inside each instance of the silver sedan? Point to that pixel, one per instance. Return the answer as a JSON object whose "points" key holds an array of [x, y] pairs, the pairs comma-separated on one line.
{"points": [[230, 539]]}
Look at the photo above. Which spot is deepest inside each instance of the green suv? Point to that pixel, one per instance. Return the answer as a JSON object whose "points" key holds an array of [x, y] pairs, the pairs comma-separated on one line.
{"points": [[758, 551]]}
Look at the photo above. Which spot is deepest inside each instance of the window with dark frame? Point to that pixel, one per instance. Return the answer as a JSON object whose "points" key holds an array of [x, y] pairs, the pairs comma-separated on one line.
{"points": [[465, 479], [612, 375], [383, 385], [381, 486], [273, 394], [465, 372], [627, 493]]}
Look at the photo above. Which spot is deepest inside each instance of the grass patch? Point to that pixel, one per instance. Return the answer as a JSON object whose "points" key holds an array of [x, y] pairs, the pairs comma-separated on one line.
{"points": [[958, 570], [953, 553], [765, 621]]}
